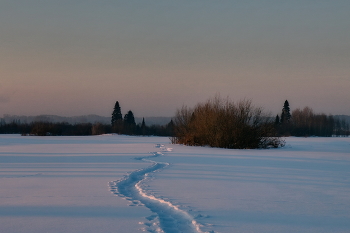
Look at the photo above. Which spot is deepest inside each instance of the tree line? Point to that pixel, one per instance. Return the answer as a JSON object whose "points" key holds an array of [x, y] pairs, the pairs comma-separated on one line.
{"points": [[42, 128], [304, 122], [119, 125], [127, 125], [216, 123]]}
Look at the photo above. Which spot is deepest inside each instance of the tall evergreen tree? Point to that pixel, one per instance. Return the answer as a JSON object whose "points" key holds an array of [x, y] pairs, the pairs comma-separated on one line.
{"points": [[285, 115], [116, 115], [129, 126]]}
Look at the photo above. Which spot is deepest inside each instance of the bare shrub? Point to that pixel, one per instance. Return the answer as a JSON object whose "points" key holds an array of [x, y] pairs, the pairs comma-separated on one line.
{"points": [[225, 124]]}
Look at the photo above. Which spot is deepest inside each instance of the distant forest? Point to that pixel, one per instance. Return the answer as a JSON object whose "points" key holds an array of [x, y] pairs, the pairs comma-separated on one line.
{"points": [[298, 122], [80, 119], [47, 125], [305, 122]]}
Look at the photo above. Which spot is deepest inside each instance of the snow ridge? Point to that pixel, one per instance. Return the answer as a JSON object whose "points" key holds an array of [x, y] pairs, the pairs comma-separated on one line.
{"points": [[168, 218]]}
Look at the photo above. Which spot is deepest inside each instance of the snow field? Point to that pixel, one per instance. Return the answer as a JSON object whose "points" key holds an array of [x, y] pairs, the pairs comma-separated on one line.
{"points": [[300, 188], [58, 184]]}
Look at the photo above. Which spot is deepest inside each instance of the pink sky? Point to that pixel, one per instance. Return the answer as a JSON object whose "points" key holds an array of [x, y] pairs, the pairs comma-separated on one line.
{"points": [[79, 58]]}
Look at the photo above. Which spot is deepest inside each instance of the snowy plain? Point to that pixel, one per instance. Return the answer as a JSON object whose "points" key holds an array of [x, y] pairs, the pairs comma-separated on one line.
{"points": [[123, 184]]}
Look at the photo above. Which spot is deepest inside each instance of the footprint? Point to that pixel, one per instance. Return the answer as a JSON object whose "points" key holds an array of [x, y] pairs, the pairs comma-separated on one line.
{"points": [[152, 217]]}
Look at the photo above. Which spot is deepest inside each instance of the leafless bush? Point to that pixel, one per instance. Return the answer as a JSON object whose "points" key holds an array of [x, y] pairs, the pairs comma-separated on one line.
{"points": [[225, 124]]}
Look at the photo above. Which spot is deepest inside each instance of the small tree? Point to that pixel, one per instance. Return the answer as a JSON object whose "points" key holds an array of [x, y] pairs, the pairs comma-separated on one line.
{"points": [[277, 120], [143, 127]]}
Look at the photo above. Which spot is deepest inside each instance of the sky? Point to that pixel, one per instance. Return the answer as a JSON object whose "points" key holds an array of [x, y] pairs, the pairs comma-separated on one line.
{"points": [[78, 57]]}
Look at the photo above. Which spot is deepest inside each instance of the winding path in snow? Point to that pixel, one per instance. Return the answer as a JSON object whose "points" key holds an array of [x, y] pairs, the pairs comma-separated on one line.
{"points": [[167, 217]]}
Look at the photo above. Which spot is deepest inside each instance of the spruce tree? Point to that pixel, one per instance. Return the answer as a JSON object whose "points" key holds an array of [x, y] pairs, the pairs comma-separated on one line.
{"points": [[277, 120], [116, 115], [129, 118], [285, 115], [129, 123]]}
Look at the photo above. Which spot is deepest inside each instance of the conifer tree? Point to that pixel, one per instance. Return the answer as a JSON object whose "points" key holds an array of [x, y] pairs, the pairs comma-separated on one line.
{"points": [[129, 123], [277, 120], [129, 118], [116, 115], [143, 127], [285, 115]]}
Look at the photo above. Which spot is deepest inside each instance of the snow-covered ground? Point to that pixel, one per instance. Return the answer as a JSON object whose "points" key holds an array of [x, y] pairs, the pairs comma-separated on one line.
{"points": [[126, 184]]}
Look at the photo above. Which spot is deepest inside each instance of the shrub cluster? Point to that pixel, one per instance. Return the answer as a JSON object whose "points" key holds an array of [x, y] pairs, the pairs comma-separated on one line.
{"points": [[225, 124]]}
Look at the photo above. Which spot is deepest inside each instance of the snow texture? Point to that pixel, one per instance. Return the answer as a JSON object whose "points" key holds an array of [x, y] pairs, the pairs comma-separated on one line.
{"points": [[170, 218], [58, 184]]}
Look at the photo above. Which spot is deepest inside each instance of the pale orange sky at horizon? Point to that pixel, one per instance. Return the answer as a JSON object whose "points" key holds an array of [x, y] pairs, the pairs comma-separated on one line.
{"points": [[69, 58]]}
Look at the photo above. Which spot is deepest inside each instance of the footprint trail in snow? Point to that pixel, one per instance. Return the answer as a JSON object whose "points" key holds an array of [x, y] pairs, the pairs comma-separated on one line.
{"points": [[167, 217]]}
